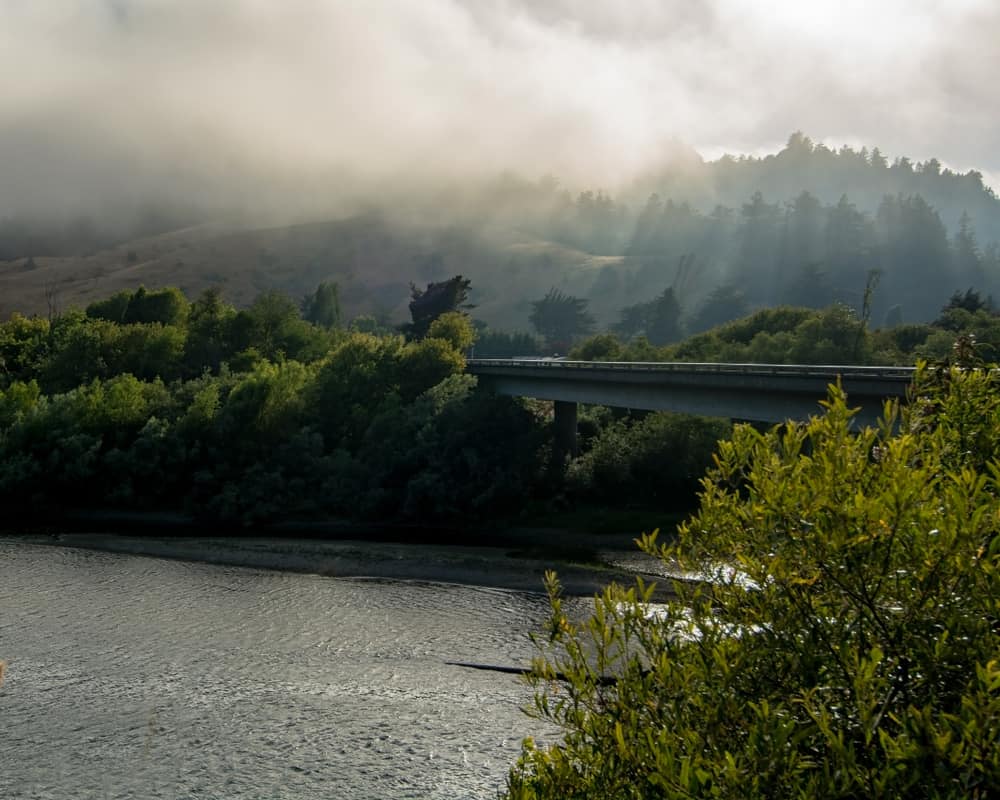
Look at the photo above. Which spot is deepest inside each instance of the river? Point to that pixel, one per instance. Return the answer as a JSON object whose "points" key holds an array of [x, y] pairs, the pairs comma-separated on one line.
{"points": [[133, 676]]}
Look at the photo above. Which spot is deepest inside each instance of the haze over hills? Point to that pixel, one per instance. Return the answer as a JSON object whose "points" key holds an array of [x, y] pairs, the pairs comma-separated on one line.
{"points": [[738, 220], [252, 145]]}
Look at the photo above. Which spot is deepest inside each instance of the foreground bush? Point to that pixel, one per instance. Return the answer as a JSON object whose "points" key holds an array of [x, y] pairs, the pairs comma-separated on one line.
{"points": [[844, 638]]}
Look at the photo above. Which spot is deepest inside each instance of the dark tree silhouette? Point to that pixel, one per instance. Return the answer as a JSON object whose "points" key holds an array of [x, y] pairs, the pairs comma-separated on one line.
{"points": [[426, 305], [322, 307], [561, 318], [659, 319], [966, 257], [725, 303]]}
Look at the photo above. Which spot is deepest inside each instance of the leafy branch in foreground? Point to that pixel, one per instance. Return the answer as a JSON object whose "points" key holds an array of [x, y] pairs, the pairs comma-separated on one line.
{"points": [[842, 639]]}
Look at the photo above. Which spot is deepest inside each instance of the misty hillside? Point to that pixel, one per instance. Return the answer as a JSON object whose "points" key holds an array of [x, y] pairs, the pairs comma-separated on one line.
{"points": [[803, 226], [372, 260], [865, 176]]}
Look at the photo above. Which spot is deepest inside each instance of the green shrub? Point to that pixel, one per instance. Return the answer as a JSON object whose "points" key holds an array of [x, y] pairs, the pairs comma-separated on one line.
{"points": [[455, 452], [455, 328], [655, 461], [23, 345], [602, 347], [841, 638]]}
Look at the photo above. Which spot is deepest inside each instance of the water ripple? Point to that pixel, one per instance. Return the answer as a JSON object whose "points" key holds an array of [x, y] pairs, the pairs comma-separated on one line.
{"points": [[143, 677]]}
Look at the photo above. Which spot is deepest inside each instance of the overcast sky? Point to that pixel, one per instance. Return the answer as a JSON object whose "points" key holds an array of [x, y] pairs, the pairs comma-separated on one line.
{"points": [[104, 101]]}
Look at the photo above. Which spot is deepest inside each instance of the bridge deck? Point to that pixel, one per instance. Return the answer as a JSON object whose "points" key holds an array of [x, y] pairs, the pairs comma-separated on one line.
{"points": [[764, 392]]}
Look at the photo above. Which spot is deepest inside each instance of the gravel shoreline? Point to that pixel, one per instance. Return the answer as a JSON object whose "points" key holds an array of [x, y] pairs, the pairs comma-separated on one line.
{"points": [[516, 560]]}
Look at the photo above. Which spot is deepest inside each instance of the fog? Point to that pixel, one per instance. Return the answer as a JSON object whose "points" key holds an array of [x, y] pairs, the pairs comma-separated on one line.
{"points": [[311, 106]]}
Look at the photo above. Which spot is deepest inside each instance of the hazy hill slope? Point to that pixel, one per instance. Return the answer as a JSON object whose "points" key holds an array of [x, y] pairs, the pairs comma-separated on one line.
{"points": [[371, 259], [805, 226]]}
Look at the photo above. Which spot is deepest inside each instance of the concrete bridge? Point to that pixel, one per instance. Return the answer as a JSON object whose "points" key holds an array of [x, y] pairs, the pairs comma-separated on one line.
{"points": [[755, 392]]}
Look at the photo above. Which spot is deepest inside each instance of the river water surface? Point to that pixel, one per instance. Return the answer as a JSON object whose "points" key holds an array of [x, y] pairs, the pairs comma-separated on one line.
{"points": [[143, 677]]}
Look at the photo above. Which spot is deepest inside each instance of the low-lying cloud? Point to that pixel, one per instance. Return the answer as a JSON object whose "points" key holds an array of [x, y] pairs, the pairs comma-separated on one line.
{"points": [[106, 104]]}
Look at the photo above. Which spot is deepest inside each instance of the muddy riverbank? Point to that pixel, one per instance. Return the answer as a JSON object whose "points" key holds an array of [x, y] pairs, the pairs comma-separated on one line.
{"points": [[515, 559]]}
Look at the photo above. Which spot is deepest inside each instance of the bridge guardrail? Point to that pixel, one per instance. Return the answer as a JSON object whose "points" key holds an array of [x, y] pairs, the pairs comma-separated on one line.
{"points": [[800, 370]]}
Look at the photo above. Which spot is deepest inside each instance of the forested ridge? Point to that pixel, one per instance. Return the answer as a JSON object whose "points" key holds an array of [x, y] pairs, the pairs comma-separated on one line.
{"points": [[804, 226]]}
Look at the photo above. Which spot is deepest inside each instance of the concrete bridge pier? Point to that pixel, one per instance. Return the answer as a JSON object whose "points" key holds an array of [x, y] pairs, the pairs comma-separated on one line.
{"points": [[564, 427]]}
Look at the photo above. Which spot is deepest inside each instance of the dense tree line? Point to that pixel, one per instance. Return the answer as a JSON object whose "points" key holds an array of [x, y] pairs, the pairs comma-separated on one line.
{"points": [[685, 266], [803, 227], [802, 253], [831, 335], [148, 401]]}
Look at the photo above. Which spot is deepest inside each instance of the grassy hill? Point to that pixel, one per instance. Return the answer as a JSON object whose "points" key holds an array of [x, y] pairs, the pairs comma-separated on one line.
{"points": [[372, 259]]}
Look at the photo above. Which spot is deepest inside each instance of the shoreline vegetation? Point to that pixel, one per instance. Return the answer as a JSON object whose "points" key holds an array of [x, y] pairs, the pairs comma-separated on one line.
{"points": [[244, 418]]}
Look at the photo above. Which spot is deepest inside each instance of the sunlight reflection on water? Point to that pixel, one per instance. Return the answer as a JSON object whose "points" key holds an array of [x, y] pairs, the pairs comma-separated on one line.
{"points": [[133, 676]]}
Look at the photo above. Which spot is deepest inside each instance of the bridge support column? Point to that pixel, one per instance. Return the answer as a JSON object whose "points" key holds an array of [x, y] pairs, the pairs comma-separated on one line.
{"points": [[564, 428]]}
